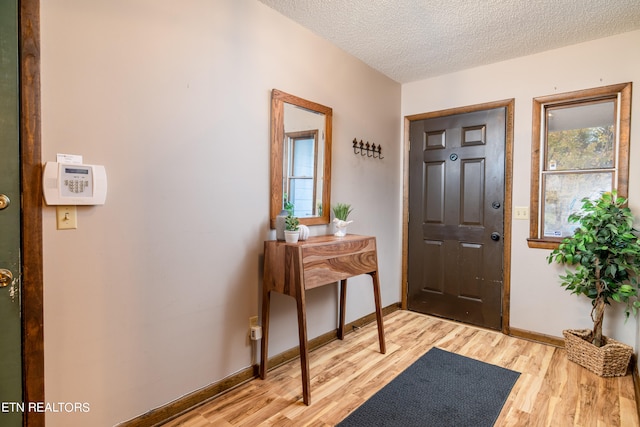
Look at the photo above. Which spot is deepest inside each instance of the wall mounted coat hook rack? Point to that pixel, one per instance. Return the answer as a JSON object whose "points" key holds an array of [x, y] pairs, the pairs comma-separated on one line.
{"points": [[369, 150]]}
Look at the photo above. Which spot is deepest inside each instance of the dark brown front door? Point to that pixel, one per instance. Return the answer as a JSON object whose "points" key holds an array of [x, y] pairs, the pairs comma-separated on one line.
{"points": [[456, 222]]}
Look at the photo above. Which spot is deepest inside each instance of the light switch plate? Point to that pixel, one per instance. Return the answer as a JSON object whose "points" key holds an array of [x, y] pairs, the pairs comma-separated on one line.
{"points": [[521, 212], [66, 217]]}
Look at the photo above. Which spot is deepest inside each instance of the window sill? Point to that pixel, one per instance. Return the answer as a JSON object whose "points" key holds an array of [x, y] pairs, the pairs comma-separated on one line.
{"points": [[542, 243]]}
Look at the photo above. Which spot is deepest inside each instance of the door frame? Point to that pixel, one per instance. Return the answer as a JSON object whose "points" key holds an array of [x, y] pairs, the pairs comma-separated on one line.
{"points": [[509, 105], [31, 212]]}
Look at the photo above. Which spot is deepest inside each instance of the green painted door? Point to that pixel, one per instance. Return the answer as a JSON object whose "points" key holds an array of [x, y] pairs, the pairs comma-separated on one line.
{"points": [[10, 323]]}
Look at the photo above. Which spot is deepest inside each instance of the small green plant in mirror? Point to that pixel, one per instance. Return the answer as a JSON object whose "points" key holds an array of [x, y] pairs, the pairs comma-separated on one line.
{"points": [[288, 206], [291, 223], [341, 211]]}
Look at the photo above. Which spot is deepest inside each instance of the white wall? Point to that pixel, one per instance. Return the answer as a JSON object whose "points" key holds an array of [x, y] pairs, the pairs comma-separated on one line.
{"points": [[538, 302], [149, 298]]}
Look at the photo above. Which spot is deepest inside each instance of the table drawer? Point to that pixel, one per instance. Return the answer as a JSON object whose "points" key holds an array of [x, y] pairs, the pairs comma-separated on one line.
{"points": [[322, 271]]}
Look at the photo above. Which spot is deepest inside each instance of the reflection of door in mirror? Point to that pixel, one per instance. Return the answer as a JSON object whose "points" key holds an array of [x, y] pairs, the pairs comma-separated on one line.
{"points": [[300, 158]]}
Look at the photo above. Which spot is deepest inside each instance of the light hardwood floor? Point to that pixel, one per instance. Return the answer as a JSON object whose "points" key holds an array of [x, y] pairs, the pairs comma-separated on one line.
{"points": [[551, 391]]}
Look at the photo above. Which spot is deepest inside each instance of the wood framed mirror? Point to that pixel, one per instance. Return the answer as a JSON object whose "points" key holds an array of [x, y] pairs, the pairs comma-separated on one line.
{"points": [[300, 158]]}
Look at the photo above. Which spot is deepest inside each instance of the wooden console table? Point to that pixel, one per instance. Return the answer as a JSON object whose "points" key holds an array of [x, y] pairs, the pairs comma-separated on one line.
{"points": [[293, 268]]}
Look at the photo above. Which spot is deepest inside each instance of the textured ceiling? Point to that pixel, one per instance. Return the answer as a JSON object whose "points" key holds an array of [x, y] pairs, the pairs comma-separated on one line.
{"points": [[410, 40]]}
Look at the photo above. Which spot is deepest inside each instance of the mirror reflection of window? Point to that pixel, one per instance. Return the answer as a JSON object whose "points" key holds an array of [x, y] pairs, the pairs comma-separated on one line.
{"points": [[303, 159], [300, 173]]}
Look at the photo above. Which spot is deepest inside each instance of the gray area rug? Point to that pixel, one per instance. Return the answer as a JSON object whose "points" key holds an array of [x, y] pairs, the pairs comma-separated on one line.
{"points": [[440, 389]]}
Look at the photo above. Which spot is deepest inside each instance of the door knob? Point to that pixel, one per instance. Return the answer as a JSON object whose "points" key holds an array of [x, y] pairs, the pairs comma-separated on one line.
{"points": [[495, 236], [5, 277], [4, 202]]}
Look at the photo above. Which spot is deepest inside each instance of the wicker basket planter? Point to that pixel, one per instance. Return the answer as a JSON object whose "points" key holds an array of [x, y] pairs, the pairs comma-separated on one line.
{"points": [[610, 360]]}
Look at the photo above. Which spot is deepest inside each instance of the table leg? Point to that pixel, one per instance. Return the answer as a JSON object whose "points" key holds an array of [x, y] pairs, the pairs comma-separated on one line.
{"points": [[304, 350], [376, 297], [266, 297], [343, 299]]}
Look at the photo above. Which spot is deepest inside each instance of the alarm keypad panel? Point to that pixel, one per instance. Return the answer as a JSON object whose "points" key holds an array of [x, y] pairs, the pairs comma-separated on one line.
{"points": [[76, 181]]}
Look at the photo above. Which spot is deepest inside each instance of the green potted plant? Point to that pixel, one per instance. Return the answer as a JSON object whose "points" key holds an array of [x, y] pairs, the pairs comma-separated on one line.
{"points": [[291, 231], [604, 252], [288, 205], [341, 212]]}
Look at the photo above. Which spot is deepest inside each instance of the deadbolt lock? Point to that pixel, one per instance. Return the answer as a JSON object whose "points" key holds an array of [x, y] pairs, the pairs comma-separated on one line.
{"points": [[5, 277]]}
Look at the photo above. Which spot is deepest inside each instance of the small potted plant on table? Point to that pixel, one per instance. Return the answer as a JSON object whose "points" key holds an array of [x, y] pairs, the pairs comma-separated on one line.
{"points": [[341, 212], [605, 254], [291, 232]]}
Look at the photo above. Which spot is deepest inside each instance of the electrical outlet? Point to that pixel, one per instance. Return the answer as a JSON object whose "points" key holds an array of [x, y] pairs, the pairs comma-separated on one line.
{"points": [[253, 321], [256, 333], [521, 212]]}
